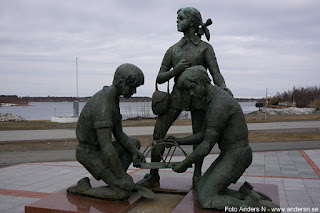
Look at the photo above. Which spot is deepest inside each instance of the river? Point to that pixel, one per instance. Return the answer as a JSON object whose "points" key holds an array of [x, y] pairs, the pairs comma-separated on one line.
{"points": [[46, 110]]}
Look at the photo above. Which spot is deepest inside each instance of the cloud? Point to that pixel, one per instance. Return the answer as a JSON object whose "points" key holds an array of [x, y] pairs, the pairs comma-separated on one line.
{"points": [[258, 44]]}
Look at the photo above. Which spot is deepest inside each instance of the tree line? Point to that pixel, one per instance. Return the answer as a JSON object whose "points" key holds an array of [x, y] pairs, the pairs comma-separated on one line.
{"points": [[299, 96]]}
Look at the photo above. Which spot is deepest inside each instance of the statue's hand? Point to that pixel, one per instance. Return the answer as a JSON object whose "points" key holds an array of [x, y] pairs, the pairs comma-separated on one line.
{"points": [[170, 139], [125, 183], [180, 167], [181, 66], [138, 158]]}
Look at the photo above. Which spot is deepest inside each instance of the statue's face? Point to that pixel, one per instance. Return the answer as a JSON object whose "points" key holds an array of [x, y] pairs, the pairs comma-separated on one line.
{"points": [[128, 90], [196, 90], [183, 23]]}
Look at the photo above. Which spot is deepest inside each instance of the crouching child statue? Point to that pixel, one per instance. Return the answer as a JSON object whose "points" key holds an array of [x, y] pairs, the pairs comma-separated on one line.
{"points": [[225, 125], [105, 159]]}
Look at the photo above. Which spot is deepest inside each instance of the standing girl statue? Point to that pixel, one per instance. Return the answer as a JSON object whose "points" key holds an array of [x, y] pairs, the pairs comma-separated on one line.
{"points": [[189, 51]]}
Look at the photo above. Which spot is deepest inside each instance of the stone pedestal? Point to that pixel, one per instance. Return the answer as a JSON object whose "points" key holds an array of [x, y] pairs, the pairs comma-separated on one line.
{"points": [[174, 195], [190, 201]]}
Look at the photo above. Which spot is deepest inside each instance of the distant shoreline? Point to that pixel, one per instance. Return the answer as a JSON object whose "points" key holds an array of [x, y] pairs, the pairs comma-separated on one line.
{"points": [[13, 99]]}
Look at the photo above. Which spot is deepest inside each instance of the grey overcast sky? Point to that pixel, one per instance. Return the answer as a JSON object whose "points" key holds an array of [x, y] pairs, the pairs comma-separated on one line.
{"points": [[259, 44]]}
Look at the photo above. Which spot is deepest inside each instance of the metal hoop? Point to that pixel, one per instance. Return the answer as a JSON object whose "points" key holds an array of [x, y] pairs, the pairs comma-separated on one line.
{"points": [[170, 145]]}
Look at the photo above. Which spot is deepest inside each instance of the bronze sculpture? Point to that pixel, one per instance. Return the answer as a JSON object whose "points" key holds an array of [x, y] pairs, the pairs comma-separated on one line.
{"points": [[189, 51], [104, 159], [225, 125], [216, 118]]}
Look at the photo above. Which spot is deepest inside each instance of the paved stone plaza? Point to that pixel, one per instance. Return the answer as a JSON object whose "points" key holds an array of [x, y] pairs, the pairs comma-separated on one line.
{"points": [[296, 172]]}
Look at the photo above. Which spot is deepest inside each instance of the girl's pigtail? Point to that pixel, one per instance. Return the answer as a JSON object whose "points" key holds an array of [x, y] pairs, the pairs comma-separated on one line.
{"points": [[204, 29]]}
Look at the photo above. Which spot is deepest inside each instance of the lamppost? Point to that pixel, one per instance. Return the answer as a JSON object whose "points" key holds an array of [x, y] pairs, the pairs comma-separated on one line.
{"points": [[76, 102], [265, 109]]}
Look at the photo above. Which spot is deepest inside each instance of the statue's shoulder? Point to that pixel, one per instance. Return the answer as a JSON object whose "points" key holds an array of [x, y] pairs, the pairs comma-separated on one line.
{"points": [[98, 95], [91, 106], [102, 97], [205, 44], [106, 90], [174, 47]]}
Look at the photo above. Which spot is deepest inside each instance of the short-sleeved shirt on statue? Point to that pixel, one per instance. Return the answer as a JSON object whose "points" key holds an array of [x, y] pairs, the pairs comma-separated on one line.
{"points": [[197, 52], [101, 111], [226, 119]]}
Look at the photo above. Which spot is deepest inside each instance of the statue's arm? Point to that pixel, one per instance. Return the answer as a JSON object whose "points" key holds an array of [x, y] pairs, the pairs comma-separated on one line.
{"points": [[215, 124], [212, 64], [109, 152], [204, 148], [165, 74], [123, 139], [191, 140]]}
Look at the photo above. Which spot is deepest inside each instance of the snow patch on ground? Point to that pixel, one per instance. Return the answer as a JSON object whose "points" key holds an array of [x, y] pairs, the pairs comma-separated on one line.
{"points": [[289, 111], [10, 117]]}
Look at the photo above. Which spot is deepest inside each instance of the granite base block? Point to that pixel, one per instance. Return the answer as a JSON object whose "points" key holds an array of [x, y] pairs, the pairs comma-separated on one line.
{"points": [[62, 202], [190, 202]]}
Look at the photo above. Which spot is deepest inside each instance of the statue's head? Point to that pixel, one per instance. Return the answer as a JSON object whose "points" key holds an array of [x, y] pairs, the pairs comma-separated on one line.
{"points": [[127, 78], [188, 17], [194, 81]]}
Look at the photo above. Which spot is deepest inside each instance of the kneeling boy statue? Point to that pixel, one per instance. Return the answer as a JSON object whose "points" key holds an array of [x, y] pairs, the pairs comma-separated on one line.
{"points": [[225, 125], [104, 159]]}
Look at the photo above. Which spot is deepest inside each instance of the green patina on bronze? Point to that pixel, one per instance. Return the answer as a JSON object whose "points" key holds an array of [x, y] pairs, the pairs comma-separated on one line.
{"points": [[105, 159], [217, 118], [225, 125], [189, 51]]}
